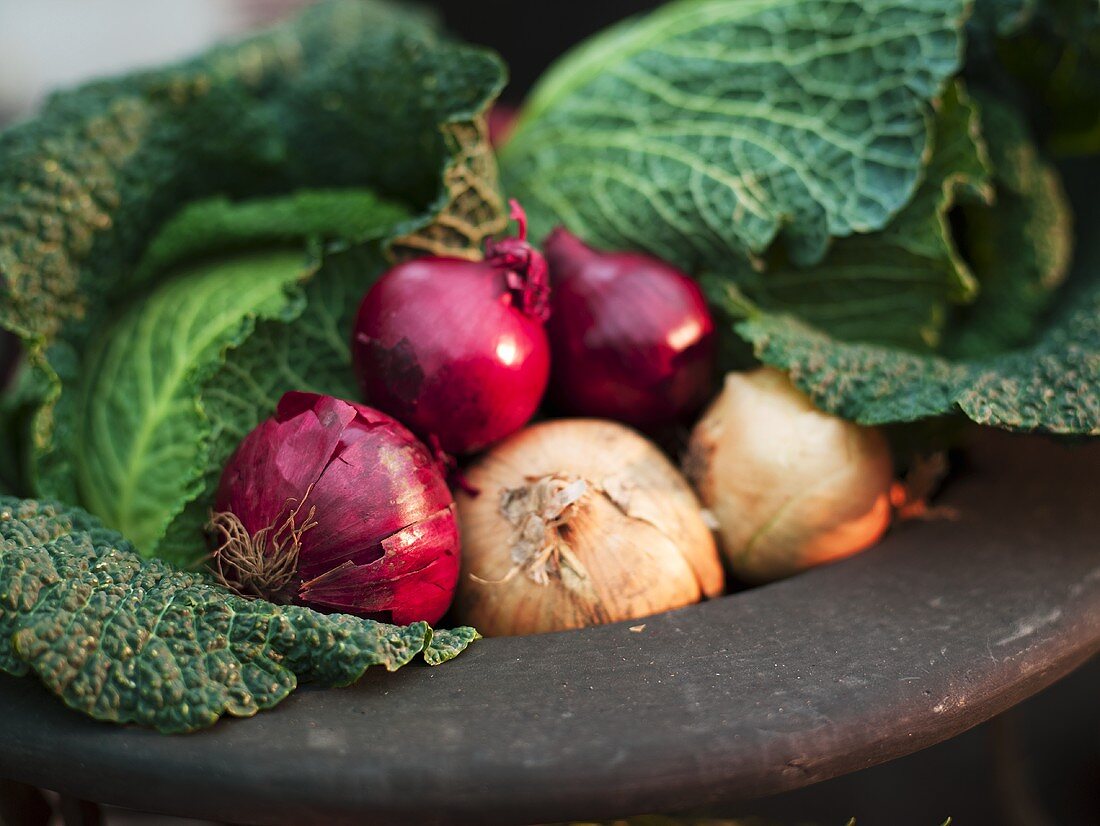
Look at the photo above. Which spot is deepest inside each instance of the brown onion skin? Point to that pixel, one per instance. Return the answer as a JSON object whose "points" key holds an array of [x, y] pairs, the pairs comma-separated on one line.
{"points": [[631, 336], [789, 485], [637, 533]]}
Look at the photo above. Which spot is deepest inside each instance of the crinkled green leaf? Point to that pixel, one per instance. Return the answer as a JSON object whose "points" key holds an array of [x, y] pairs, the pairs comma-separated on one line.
{"points": [[133, 428], [84, 187], [127, 341], [1051, 386], [165, 393], [313, 354], [218, 225], [706, 129], [446, 645], [1020, 247], [1005, 361], [895, 286], [128, 640]]}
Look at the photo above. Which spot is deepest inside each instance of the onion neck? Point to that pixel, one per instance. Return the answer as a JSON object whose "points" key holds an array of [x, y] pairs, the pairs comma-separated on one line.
{"points": [[526, 273], [536, 512]]}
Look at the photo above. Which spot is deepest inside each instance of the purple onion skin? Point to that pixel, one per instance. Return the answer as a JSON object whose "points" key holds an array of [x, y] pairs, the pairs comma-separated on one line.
{"points": [[385, 545], [502, 122], [442, 344], [631, 336]]}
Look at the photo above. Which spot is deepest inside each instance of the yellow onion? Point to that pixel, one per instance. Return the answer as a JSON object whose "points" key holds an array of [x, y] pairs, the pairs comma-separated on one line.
{"points": [[789, 485], [579, 522]]}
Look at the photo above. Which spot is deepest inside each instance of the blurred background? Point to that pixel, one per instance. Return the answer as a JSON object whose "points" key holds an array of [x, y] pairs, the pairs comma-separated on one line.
{"points": [[47, 44], [1038, 765]]}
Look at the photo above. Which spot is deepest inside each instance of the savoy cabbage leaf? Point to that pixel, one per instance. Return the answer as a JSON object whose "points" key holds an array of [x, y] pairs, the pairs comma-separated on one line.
{"points": [[129, 640], [707, 129], [136, 308], [1010, 361], [167, 391], [246, 386], [132, 429], [86, 185], [896, 286], [1020, 247], [218, 226], [1051, 385], [822, 167]]}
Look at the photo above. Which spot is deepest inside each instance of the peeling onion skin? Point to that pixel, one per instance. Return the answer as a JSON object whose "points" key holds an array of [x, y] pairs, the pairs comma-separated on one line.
{"points": [[635, 541], [632, 337], [790, 486], [376, 529]]}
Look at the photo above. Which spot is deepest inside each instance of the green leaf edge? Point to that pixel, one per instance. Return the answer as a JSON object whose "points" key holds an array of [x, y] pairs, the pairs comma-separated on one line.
{"points": [[58, 520]]}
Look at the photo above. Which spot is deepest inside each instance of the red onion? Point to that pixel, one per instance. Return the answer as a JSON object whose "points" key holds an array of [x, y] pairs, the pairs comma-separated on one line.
{"points": [[631, 336], [336, 506], [456, 349], [502, 120]]}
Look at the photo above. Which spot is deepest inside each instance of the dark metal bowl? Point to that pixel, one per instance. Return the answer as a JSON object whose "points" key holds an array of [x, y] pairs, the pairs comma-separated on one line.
{"points": [[941, 627]]}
